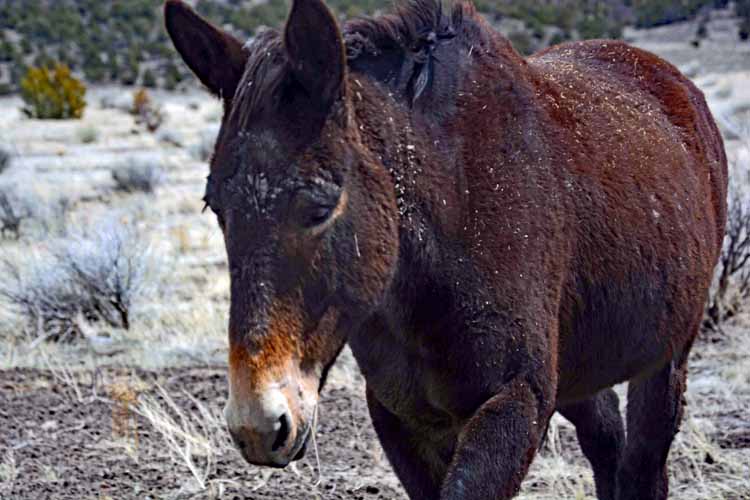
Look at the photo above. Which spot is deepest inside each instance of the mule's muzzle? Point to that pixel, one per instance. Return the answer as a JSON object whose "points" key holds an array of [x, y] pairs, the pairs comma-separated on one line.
{"points": [[266, 430]]}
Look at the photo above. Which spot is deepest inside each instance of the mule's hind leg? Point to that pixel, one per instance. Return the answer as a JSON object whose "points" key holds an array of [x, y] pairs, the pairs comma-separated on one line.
{"points": [[655, 408], [602, 437]]}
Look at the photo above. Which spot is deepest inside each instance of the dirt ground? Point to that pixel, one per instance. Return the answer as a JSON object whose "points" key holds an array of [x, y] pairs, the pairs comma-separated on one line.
{"points": [[120, 433], [99, 447], [88, 432]]}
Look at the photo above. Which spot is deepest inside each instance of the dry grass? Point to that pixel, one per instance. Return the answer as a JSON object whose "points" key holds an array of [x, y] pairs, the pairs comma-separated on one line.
{"points": [[8, 471], [193, 439], [138, 176]]}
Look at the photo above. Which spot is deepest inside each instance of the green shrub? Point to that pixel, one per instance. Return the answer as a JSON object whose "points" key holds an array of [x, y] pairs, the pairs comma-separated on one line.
{"points": [[649, 13], [522, 42], [149, 79], [52, 93]]}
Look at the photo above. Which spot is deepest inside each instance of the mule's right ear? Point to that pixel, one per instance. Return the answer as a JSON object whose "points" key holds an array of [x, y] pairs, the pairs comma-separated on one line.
{"points": [[216, 57]]}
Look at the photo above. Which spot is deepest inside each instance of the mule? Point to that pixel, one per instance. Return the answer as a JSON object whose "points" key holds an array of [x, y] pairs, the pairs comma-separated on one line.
{"points": [[496, 238]]}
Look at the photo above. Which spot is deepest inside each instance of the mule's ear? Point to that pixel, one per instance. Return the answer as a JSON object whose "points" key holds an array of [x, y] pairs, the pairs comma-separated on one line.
{"points": [[216, 57], [316, 50]]}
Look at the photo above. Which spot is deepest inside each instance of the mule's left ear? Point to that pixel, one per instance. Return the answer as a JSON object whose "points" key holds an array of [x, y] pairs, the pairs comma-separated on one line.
{"points": [[216, 57], [316, 50]]}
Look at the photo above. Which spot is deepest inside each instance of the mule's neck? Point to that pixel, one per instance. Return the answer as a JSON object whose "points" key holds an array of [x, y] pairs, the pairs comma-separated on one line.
{"points": [[426, 156], [421, 144], [419, 159]]}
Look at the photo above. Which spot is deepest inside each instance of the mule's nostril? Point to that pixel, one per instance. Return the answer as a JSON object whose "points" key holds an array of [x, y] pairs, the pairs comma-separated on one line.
{"points": [[283, 433]]}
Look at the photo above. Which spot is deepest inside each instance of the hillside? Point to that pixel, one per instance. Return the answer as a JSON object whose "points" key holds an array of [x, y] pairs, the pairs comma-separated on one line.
{"points": [[125, 42]]}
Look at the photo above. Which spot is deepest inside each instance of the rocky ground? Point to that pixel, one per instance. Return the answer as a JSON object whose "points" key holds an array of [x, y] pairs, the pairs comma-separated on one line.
{"points": [[136, 413]]}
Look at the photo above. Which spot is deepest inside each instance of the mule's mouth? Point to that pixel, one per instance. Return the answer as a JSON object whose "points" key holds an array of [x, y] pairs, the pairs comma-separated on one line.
{"points": [[297, 452], [300, 448]]}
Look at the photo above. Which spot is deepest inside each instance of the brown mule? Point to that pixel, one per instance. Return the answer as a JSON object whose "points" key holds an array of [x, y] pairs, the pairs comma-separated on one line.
{"points": [[496, 238]]}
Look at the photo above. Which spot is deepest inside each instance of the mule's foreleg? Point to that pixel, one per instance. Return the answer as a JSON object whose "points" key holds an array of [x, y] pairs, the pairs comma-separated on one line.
{"points": [[497, 445], [416, 474]]}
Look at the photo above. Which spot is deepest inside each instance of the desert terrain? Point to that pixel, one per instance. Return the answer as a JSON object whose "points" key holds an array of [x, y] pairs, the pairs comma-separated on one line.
{"points": [[136, 413]]}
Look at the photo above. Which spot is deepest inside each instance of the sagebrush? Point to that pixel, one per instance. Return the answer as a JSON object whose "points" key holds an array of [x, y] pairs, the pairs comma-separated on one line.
{"points": [[93, 275], [731, 287], [138, 176], [5, 158], [25, 211]]}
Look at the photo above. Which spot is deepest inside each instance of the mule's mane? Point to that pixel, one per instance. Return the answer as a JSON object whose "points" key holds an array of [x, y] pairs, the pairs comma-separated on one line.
{"points": [[407, 27], [407, 30]]}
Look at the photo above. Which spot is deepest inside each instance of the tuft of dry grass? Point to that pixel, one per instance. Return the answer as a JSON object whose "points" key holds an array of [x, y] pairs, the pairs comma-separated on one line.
{"points": [[193, 439], [8, 471]]}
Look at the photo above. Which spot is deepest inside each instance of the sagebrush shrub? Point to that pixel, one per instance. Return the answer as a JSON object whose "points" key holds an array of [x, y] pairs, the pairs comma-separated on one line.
{"points": [[88, 135], [137, 176], [53, 93], [731, 287], [93, 276], [13, 211], [204, 149], [5, 157], [25, 208]]}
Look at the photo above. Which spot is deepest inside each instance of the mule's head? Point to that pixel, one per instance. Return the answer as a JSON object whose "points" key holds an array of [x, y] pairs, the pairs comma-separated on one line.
{"points": [[309, 221]]}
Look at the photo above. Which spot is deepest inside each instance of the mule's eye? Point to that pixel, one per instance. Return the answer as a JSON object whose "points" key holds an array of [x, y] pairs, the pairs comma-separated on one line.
{"points": [[316, 205], [319, 215]]}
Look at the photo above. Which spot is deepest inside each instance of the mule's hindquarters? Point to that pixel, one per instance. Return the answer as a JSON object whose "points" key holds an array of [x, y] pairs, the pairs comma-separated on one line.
{"points": [[647, 176]]}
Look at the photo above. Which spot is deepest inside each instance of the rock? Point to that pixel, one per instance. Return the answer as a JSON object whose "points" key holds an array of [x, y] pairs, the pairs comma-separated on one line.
{"points": [[50, 425]]}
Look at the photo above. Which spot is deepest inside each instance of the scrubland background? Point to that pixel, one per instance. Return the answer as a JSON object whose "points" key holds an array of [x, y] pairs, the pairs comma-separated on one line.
{"points": [[114, 290]]}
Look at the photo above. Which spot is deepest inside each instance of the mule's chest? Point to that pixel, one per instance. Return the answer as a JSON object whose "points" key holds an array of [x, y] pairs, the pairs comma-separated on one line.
{"points": [[415, 384]]}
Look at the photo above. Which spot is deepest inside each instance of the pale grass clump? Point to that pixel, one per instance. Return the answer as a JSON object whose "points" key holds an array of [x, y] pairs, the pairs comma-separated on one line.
{"points": [[559, 470], [206, 141], [88, 134], [177, 334], [8, 471], [138, 176], [24, 211], [194, 439]]}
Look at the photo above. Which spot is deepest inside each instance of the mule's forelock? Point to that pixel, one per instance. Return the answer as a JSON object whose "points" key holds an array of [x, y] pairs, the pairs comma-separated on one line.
{"points": [[292, 79]]}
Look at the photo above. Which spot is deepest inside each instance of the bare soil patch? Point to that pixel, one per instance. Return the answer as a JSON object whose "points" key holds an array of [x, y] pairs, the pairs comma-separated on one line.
{"points": [[62, 448]]}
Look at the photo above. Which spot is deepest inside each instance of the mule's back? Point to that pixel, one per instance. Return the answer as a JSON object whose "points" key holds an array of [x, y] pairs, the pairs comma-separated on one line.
{"points": [[602, 67]]}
